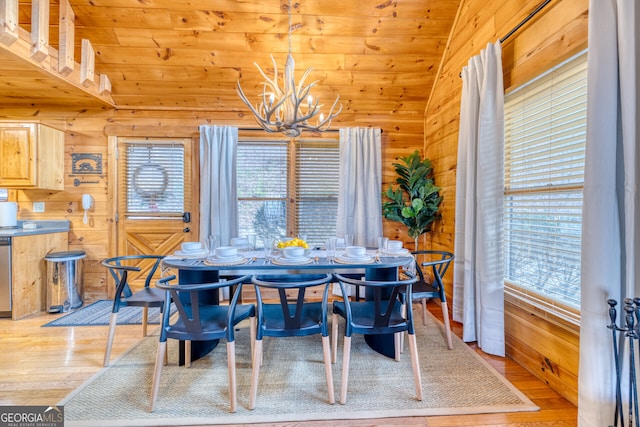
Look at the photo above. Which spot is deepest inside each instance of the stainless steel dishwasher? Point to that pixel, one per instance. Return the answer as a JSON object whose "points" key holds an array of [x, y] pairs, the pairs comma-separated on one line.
{"points": [[5, 276]]}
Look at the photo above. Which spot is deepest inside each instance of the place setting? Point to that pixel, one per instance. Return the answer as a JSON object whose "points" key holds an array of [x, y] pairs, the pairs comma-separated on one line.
{"points": [[226, 255], [191, 250], [293, 255], [393, 248], [354, 255]]}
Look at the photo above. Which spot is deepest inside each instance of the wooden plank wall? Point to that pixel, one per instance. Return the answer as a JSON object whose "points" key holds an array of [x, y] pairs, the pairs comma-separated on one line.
{"points": [[86, 131], [546, 347]]}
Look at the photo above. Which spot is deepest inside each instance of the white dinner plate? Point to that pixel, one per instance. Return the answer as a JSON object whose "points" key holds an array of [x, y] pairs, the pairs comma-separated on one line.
{"points": [[195, 254], [343, 259], [237, 260], [291, 261], [403, 252], [234, 258]]}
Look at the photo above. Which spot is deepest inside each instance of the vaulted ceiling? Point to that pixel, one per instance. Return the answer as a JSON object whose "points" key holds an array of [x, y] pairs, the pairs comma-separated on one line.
{"points": [[377, 55]]}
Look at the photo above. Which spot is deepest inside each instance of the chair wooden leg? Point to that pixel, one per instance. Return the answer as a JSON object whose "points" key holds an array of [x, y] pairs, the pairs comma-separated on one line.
{"points": [[145, 312], [113, 320], [255, 373], [423, 302], [345, 369], [447, 325], [415, 364], [155, 384], [397, 344], [334, 338], [326, 353], [231, 367], [399, 347], [252, 333], [166, 358], [187, 354]]}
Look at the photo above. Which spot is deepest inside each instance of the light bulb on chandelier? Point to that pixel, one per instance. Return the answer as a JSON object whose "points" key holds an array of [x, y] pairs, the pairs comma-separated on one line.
{"points": [[283, 109]]}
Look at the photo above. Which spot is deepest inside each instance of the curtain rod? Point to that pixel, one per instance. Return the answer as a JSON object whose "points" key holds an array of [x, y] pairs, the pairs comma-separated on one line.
{"points": [[523, 22]]}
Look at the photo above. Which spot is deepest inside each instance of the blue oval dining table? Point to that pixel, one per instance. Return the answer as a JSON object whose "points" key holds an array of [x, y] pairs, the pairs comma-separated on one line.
{"points": [[196, 270]]}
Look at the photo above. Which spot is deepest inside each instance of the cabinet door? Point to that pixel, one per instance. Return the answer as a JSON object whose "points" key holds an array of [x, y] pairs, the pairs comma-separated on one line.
{"points": [[17, 151]]}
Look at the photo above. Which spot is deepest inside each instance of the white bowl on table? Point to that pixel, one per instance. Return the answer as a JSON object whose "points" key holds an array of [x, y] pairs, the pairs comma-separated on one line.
{"points": [[293, 252], [226, 252], [394, 246], [355, 251], [191, 246]]}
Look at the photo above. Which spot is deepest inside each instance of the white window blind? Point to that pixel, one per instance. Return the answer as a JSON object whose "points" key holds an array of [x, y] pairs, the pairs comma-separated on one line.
{"points": [[262, 177], [154, 177], [317, 189], [288, 189], [545, 134]]}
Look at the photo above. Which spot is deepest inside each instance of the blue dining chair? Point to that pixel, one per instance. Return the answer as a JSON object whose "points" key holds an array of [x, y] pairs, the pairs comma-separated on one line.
{"points": [[426, 288], [198, 321], [291, 316], [382, 312], [120, 268]]}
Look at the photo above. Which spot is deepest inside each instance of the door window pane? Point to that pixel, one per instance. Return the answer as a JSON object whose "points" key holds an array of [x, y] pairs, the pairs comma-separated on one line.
{"points": [[154, 178]]}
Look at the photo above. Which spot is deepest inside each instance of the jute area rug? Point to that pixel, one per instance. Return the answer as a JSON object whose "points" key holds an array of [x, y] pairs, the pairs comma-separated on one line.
{"points": [[292, 385]]}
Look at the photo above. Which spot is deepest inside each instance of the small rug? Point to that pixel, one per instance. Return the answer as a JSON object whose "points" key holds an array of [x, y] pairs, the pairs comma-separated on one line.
{"points": [[292, 385], [99, 313]]}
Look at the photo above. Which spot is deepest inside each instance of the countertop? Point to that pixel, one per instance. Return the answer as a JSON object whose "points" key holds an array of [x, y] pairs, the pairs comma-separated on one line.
{"points": [[42, 227]]}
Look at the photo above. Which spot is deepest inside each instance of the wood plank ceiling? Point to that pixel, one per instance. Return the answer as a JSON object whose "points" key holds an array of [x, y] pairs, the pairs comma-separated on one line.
{"points": [[378, 55]]}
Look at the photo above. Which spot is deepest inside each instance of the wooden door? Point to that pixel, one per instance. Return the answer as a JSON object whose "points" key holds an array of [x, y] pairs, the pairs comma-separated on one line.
{"points": [[150, 218]]}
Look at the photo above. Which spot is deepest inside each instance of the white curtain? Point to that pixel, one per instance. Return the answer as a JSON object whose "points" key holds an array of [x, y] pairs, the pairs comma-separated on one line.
{"points": [[478, 284], [360, 190], [610, 221], [218, 193]]}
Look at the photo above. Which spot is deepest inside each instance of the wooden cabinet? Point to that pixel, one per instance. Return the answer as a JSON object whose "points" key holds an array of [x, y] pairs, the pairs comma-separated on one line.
{"points": [[29, 271], [31, 156]]}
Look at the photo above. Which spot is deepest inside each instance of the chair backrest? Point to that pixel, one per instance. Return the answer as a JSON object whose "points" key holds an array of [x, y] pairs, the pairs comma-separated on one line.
{"points": [[288, 316], [194, 322], [382, 311], [439, 261], [120, 266]]}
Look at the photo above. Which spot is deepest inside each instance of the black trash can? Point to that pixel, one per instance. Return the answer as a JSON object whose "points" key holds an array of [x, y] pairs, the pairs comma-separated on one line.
{"points": [[64, 280]]}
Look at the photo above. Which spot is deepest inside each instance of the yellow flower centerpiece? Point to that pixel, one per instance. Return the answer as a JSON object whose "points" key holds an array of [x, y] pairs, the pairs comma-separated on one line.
{"points": [[289, 242], [284, 243]]}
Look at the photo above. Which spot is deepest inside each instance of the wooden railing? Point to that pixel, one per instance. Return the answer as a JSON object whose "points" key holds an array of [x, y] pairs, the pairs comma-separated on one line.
{"points": [[34, 48]]}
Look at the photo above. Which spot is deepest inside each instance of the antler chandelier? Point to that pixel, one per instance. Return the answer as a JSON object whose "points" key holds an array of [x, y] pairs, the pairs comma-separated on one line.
{"points": [[290, 109]]}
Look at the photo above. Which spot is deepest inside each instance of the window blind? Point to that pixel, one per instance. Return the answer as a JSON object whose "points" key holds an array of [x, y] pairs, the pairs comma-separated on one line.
{"points": [[262, 188], [288, 188], [317, 189], [545, 134], [154, 178]]}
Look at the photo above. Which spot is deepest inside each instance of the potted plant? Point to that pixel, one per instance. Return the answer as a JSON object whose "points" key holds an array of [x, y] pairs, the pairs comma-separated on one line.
{"points": [[415, 200]]}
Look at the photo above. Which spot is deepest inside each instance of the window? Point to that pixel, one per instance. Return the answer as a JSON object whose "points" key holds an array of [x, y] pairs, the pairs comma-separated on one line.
{"points": [[154, 177], [288, 188], [545, 134]]}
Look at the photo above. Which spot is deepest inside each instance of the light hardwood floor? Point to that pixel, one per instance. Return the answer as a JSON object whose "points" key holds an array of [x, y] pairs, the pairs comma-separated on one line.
{"points": [[40, 366]]}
